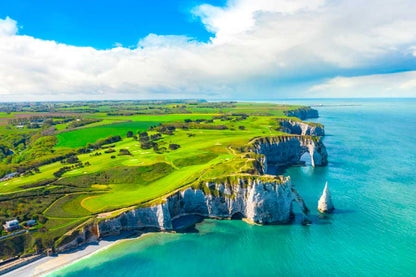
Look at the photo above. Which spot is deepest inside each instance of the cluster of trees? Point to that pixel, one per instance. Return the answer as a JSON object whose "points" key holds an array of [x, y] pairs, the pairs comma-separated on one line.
{"points": [[99, 144], [124, 152], [64, 169], [46, 121], [73, 159], [27, 152], [146, 142], [31, 171], [174, 146], [156, 136], [164, 129], [217, 105], [199, 120], [17, 142], [233, 116]]}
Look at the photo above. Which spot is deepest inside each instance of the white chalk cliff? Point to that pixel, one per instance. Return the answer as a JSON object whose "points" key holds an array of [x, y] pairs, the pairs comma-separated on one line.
{"points": [[297, 127], [257, 199], [325, 204], [288, 150], [261, 200]]}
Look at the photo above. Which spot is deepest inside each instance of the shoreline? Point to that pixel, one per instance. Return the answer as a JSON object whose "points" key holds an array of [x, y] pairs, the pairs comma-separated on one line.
{"points": [[49, 264]]}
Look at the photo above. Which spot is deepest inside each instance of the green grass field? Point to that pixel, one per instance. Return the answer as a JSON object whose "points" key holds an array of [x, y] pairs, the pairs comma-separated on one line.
{"points": [[82, 137], [107, 183], [6, 115]]}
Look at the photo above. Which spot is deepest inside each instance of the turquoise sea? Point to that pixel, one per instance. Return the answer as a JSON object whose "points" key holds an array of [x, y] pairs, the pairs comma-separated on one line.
{"points": [[372, 177]]}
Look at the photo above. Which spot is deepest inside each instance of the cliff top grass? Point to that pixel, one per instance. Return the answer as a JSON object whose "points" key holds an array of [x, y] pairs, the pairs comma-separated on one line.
{"points": [[186, 144]]}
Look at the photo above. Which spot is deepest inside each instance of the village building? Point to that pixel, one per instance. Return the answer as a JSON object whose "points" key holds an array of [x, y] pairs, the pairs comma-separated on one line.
{"points": [[11, 225], [31, 223]]}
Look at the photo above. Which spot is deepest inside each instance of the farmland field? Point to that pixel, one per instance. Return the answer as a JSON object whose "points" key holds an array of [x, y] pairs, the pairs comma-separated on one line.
{"points": [[84, 136]]}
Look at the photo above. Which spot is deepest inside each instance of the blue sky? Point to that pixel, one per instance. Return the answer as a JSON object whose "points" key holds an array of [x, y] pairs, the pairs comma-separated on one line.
{"points": [[229, 49], [101, 24]]}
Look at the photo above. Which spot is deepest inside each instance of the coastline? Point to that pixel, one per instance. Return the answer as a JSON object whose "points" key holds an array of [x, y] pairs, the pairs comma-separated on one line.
{"points": [[49, 264], [150, 217]]}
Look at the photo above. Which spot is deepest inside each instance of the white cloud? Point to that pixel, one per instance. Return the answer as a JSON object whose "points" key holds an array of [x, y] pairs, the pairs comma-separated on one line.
{"points": [[258, 49], [240, 16], [8, 27], [378, 85]]}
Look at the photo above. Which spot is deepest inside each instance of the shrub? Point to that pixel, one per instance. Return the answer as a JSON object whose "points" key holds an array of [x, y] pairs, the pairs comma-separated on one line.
{"points": [[174, 146], [156, 136], [130, 134], [72, 160], [124, 152], [101, 142], [145, 145]]}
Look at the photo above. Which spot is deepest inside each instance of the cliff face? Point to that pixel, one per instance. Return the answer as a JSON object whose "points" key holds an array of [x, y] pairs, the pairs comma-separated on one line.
{"points": [[258, 200], [301, 128], [303, 113], [88, 233], [288, 150]]}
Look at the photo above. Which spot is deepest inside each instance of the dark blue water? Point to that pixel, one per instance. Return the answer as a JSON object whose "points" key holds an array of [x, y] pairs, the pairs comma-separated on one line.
{"points": [[372, 177]]}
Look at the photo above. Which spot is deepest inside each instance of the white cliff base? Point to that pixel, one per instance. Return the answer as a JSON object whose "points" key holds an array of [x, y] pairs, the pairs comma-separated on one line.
{"points": [[325, 204]]}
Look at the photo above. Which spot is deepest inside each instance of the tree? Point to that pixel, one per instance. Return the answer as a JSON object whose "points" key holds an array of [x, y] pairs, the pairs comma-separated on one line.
{"points": [[174, 146], [130, 134]]}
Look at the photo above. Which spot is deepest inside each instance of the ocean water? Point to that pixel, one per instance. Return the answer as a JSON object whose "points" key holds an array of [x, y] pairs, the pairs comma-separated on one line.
{"points": [[372, 178]]}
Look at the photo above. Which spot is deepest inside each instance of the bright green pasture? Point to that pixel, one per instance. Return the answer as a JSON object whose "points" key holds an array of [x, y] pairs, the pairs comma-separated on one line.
{"points": [[82, 137], [4, 115], [68, 206]]}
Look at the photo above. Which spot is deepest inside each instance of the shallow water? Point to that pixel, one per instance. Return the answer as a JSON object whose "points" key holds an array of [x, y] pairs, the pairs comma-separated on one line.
{"points": [[372, 178]]}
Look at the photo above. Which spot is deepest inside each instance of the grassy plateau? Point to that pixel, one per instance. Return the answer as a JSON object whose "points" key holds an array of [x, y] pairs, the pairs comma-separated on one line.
{"points": [[68, 175]]}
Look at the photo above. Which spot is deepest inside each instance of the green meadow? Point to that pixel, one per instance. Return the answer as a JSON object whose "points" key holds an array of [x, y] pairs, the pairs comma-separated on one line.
{"points": [[206, 141], [82, 137]]}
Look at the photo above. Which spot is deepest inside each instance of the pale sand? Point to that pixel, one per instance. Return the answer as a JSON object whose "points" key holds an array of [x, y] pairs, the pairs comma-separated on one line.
{"points": [[49, 264]]}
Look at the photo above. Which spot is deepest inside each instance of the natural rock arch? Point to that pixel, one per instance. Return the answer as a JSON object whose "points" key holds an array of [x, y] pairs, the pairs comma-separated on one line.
{"points": [[288, 150]]}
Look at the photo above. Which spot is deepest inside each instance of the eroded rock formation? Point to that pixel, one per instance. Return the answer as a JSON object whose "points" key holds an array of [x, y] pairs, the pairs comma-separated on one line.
{"points": [[288, 150], [296, 127], [325, 204]]}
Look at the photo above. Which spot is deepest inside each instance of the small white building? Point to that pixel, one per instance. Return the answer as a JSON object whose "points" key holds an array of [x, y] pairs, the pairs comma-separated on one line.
{"points": [[11, 225]]}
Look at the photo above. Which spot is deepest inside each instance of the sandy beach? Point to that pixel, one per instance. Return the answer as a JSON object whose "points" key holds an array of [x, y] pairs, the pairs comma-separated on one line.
{"points": [[49, 264]]}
